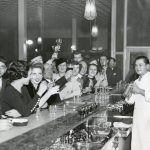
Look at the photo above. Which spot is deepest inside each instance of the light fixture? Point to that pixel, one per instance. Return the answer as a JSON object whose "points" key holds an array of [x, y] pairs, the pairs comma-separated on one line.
{"points": [[39, 40], [36, 50], [94, 31], [90, 10], [29, 42], [73, 48]]}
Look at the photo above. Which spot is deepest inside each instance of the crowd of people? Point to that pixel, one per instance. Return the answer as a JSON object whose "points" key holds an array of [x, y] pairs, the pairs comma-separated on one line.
{"points": [[25, 86]]}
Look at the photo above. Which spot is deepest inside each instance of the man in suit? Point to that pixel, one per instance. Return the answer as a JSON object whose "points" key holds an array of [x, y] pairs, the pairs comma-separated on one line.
{"points": [[77, 56], [113, 73], [2, 72], [5, 124]]}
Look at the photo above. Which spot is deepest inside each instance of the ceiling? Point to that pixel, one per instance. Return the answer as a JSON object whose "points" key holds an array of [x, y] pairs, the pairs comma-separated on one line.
{"points": [[57, 14], [53, 14]]}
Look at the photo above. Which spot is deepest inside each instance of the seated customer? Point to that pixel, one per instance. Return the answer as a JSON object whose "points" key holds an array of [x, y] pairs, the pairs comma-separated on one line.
{"points": [[77, 56], [48, 65], [74, 86], [36, 78], [89, 80], [61, 66], [16, 95], [2, 81], [63, 75], [5, 124], [102, 75]]}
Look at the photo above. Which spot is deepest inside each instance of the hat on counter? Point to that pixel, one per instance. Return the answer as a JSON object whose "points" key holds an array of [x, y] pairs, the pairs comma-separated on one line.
{"points": [[59, 61]]}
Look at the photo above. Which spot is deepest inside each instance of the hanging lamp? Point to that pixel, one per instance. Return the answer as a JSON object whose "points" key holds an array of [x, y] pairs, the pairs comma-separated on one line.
{"points": [[90, 10], [94, 30]]}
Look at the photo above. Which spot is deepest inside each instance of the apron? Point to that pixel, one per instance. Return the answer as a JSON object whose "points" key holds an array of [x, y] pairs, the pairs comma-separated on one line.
{"points": [[141, 116]]}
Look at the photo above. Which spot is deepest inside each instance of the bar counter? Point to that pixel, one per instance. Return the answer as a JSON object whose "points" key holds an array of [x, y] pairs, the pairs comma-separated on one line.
{"points": [[43, 130]]}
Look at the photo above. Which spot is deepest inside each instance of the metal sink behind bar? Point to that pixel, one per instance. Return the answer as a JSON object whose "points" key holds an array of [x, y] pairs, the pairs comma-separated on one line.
{"points": [[87, 146]]}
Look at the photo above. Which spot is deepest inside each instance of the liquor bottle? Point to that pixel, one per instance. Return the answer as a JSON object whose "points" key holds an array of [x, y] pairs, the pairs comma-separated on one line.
{"points": [[37, 115], [128, 90]]}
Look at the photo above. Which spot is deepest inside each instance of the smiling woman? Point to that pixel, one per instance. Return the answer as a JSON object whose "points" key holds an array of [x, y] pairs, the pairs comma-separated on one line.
{"points": [[16, 95], [16, 98], [89, 81]]}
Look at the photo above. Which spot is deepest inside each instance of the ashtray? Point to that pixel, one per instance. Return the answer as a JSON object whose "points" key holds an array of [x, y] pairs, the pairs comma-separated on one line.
{"points": [[19, 122]]}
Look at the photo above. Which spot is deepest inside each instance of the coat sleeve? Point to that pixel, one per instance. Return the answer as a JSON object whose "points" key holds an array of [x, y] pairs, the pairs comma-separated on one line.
{"points": [[16, 101], [61, 82]]}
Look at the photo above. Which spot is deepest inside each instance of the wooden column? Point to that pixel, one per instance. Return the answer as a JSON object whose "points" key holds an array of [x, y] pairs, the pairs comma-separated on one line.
{"points": [[74, 32], [113, 29], [125, 60], [22, 30]]}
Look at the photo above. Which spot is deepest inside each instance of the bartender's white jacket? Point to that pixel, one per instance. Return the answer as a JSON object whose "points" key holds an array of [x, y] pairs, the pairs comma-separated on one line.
{"points": [[141, 116]]}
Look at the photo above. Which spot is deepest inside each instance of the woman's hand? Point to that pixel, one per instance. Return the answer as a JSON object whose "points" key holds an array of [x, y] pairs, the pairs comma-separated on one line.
{"points": [[46, 96], [13, 113], [50, 84], [5, 124]]}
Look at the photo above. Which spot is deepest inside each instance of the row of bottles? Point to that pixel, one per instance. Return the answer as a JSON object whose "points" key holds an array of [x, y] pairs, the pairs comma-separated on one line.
{"points": [[102, 95], [88, 109]]}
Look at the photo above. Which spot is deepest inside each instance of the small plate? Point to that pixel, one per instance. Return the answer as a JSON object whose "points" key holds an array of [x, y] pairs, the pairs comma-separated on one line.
{"points": [[19, 121]]}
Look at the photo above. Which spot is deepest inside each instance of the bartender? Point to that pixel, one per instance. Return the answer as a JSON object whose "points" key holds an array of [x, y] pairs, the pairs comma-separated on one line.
{"points": [[140, 96]]}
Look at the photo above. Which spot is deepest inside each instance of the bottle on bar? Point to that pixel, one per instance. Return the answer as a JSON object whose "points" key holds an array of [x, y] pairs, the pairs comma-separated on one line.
{"points": [[37, 115]]}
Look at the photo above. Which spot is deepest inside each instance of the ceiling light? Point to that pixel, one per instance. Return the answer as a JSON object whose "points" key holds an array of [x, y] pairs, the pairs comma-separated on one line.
{"points": [[39, 40], [94, 31], [73, 47], [90, 10], [29, 42], [36, 50]]}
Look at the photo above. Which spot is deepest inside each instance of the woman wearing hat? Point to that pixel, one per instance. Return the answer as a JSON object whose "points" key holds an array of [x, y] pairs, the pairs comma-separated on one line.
{"points": [[61, 66]]}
